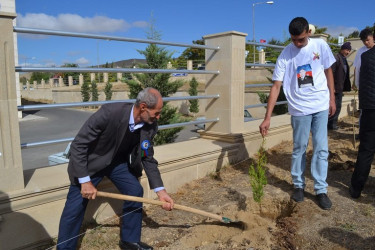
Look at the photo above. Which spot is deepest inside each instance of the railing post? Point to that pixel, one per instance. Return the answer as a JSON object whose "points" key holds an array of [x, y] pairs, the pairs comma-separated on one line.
{"points": [[230, 83], [70, 81], [119, 77], [61, 82], [80, 79], [11, 172]]}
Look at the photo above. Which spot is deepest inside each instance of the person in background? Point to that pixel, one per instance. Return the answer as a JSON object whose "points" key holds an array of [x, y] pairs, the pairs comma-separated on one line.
{"points": [[367, 126], [309, 105], [340, 70], [115, 142], [367, 38]]}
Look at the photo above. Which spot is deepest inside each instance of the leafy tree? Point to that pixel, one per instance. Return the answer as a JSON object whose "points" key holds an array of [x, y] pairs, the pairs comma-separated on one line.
{"points": [[158, 58], [38, 76], [193, 91], [108, 91], [190, 54], [85, 90], [354, 34]]}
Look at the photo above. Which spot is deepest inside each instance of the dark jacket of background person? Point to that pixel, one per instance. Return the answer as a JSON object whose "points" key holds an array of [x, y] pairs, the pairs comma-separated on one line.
{"points": [[367, 80], [94, 147], [341, 79]]}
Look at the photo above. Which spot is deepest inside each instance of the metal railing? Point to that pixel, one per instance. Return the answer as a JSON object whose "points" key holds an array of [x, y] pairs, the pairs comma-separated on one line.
{"points": [[108, 38], [109, 70]]}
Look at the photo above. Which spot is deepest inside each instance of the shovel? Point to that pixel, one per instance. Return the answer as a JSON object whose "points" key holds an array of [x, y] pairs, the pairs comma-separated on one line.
{"points": [[176, 206]]}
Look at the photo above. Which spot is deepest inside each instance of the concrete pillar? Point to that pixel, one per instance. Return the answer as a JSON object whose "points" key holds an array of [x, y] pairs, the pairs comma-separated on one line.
{"points": [[105, 77], [322, 36], [119, 77], [50, 82], [189, 65], [28, 85], [43, 83], [61, 82], [11, 172], [35, 84], [229, 84], [169, 65], [80, 79], [262, 57], [70, 80], [92, 77]]}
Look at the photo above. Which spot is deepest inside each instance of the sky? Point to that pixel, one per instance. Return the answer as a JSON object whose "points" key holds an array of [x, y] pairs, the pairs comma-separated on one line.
{"points": [[176, 20]]}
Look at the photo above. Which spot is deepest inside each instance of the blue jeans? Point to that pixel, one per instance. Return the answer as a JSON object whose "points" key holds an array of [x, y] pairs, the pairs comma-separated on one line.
{"points": [[75, 206], [302, 125]]}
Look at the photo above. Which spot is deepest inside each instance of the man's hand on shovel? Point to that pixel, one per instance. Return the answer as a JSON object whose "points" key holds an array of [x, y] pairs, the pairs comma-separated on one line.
{"points": [[88, 190], [163, 196]]}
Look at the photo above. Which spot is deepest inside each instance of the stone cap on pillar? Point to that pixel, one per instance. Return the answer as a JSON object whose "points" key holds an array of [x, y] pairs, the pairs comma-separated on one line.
{"points": [[225, 34], [8, 14]]}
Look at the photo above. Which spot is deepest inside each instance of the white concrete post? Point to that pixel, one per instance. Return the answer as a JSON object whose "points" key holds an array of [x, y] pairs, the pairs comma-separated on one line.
{"points": [[43, 83], [70, 80], [119, 77], [28, 85], [61, 82], [11, 172], [50, 81], [80, 79], [262, 57], [105, 77], [189, 65], [35, 84], [92, 77], [229, 84], [169, 65]]}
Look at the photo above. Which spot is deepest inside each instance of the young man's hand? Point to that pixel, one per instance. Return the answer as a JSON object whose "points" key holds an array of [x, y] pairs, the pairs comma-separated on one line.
{"points": [[264, 127]]}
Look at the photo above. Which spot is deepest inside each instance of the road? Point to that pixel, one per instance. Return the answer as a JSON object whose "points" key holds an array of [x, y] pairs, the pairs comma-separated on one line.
{"points": [[51, 124]]}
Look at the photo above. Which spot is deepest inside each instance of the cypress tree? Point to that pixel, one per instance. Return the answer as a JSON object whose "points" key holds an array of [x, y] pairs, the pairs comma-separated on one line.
{"points": [[193, 91]]}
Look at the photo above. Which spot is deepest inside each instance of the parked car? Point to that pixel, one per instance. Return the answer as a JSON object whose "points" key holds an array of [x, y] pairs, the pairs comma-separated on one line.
{"points": [[247, 118], [59, 158]]}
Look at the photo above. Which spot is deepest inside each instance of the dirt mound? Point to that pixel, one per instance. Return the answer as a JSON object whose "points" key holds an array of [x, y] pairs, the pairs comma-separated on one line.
{"points": [[276, 223]]}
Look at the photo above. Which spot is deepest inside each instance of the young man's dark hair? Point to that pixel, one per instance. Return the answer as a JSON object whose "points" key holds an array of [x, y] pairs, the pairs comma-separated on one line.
{"points": [[298, 25], [365, 33]]}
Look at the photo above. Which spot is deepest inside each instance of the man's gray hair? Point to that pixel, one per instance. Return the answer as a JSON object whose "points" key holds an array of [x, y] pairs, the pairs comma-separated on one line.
{"points": [[147, 96]]}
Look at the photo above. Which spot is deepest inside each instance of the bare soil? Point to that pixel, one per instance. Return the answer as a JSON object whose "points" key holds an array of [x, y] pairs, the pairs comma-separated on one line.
{"points": [[276, 223]]}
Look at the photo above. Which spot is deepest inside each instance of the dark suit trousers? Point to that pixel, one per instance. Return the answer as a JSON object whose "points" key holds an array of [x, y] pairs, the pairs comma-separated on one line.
{"points": [[332, 121], [366, 150], [75, 206]]}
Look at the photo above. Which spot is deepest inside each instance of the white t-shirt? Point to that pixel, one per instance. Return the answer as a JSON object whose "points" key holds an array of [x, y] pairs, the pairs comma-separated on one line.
{"points": [[303, 77], [357, 64]]}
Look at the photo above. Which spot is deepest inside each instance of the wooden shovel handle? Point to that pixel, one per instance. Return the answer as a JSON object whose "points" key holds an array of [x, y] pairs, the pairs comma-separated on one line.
{"points": [[156, 202]]}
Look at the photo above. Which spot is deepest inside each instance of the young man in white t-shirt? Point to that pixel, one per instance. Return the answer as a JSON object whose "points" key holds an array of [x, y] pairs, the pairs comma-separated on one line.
{"points": [[304, 70]]}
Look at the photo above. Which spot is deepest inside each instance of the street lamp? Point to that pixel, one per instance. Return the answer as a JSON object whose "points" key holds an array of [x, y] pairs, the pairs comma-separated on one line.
{"points": [[268, 2]]}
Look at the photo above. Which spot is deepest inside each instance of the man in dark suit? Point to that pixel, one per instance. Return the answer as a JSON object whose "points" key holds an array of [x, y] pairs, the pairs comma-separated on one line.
{"points": [[115, 142], [366, 149], [340, 70]]}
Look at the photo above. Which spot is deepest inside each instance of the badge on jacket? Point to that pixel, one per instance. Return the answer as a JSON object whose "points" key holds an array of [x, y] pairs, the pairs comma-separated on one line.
{"points": [[144, 148]]}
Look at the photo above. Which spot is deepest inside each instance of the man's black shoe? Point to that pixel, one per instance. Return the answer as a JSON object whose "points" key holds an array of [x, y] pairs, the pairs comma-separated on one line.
{"points": [[324, 202], [354, 194], [298, 195], [134, 245]]}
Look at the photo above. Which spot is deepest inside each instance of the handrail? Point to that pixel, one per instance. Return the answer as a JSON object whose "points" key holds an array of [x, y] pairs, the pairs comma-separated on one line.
{"points": [[98, 103], [268, 65], [263, 104], [257, 85], [111, 70], [104, 37], [266, 45], [161, 127]]}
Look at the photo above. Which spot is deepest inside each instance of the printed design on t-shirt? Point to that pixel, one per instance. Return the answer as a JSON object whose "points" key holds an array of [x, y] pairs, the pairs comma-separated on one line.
{"points": [[316, 56], [304, 76]]}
